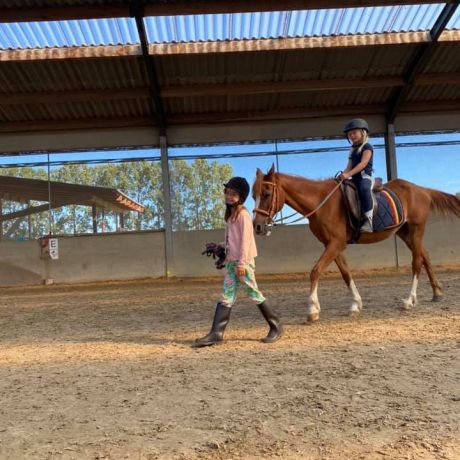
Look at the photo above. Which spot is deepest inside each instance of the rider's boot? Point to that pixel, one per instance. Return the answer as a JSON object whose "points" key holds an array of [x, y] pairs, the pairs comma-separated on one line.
{"points": [[367, 226], [276, 330], [216, 335]]}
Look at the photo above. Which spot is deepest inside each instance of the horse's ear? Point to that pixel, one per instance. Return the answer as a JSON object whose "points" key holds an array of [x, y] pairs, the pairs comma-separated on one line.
{"points": [[259, 172], [272, 169]]}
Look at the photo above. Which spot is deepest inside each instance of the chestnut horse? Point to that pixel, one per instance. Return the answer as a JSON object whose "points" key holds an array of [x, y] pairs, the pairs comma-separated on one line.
{"points": [[322, 202]]}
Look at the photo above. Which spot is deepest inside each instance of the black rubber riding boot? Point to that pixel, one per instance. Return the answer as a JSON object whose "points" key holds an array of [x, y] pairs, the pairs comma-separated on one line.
{"points": [[216, 335], [276, 330]]}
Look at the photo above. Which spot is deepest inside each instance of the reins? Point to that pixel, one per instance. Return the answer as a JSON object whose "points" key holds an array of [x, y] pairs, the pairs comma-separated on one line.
{"points": [[325, 199], [271, 213]]}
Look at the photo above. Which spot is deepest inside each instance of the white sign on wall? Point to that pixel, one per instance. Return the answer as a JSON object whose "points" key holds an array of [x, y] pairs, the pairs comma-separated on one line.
{"points": [[53, 248]]}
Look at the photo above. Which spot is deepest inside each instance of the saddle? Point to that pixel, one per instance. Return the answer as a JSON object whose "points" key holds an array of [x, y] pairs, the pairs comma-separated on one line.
{"points": [[388, 212]]}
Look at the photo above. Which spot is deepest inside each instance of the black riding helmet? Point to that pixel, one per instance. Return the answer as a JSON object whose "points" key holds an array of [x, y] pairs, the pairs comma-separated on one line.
{"points": [[240, 185], [356, 123]]}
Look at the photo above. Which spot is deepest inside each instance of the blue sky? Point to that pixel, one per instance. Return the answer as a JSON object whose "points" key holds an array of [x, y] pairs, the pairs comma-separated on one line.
{"points": [[436, 166]]}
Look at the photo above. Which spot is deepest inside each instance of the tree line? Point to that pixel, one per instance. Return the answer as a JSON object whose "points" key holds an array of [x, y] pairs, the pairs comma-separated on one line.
{"points": [[196, 197]]}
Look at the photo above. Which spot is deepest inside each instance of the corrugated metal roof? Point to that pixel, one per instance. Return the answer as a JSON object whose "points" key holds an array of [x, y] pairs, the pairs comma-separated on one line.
{"points": [[68, 33], [77, 110], [446, 59], [40, 76], [218, 27], [343, 21], [316, 63], [434, 93], [454, 22], [274, 101]]}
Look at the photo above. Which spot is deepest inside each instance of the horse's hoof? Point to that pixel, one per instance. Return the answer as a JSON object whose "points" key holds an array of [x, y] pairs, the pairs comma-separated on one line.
{"points": [[437, 297], [355, 309], [313, 317], [406, 306]]}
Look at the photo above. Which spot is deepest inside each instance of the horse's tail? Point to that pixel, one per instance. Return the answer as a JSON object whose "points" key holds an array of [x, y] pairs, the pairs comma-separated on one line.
{"points": [[444, 203]]}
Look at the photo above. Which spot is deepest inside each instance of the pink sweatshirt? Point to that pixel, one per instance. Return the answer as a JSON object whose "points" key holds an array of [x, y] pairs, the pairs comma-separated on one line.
{"points": [[240, 242]]}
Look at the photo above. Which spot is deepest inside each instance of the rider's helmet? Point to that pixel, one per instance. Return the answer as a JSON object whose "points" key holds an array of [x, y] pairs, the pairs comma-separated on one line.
{"points": [[356, 123], [240, 185]]}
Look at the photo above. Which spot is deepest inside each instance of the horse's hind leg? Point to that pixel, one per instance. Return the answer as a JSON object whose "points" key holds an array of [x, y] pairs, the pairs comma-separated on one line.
{"points": [[436, 286], [357, 304]]}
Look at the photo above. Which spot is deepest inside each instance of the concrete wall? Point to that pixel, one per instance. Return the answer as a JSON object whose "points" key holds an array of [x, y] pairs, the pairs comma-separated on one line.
{"points": [[84, 258], [442, 241], [289, 249]]}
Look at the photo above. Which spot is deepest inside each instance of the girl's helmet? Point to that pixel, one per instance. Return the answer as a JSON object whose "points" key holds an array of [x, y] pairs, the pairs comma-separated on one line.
{"points": [[240, 185], [356, 123]]}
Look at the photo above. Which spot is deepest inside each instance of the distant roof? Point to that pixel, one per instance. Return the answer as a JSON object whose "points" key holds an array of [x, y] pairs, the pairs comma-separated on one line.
{"points": [[221, 70], [62, 194]]}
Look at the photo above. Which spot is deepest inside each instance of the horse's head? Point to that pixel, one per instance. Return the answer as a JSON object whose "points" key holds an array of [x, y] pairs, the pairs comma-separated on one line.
{"points": [[269, 200]]}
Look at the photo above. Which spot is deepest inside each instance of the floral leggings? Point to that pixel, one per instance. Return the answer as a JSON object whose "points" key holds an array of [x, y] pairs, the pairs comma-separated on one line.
{"points": [[232, 284]]}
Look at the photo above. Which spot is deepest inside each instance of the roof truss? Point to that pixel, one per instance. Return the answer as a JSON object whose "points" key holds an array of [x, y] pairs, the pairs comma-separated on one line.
{"points": [[137, 10]]}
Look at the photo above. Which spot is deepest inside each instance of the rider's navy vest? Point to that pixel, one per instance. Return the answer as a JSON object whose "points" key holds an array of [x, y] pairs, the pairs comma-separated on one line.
{"points": [[355, 158]]}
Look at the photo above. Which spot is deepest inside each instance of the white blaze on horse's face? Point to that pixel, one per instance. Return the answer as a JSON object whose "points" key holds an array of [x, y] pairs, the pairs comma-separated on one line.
{"points": [[257, 204], [256, 219], [262, 217]]}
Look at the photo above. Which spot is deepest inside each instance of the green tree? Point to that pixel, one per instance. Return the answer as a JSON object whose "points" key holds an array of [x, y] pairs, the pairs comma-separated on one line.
{"points": [[196, 189], [196, 194]]}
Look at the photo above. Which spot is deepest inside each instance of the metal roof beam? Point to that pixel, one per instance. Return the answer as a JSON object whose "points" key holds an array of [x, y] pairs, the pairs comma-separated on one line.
{"points": [[90, 139], [419, 60], [149, 62], [186, 7], [224, 89], [223, 117]]}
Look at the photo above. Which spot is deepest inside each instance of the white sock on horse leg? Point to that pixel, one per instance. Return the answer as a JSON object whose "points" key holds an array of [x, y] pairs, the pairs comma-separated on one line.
{"points": [[357, 303]]}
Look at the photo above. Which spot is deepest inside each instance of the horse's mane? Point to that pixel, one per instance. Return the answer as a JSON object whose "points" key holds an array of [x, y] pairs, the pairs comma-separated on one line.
{"points": [[298, 176], [257, 185]]}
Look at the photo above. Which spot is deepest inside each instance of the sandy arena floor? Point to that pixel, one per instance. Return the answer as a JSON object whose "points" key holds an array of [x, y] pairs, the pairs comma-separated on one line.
{"points": [[106, 371]]}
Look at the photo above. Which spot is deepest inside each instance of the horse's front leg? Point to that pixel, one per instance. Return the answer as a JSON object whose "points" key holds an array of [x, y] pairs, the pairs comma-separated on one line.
{"points": [[357, 303], [329, 254]]}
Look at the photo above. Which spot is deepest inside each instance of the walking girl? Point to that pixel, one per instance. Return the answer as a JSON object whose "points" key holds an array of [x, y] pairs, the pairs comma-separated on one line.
{"points": [[240, 248]]}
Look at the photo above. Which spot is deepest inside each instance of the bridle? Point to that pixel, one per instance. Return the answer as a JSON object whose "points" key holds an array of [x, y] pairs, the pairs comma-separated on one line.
{"points": [[271, 213]]}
